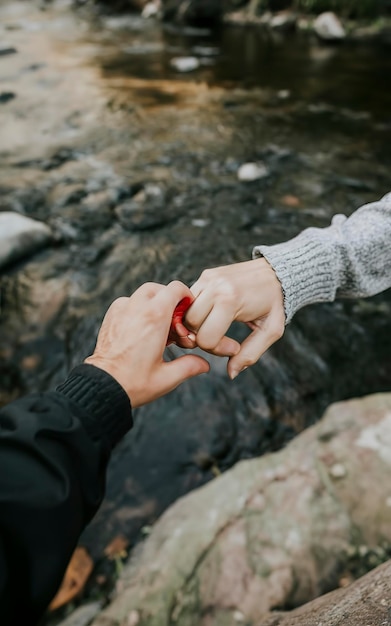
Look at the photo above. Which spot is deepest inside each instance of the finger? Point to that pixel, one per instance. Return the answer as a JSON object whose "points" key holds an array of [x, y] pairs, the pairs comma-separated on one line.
{"points": [[197, 287], [183, 368], [148, 290], [171, 295], [214, 327], [250, 351], [198, 311], [226, 347], [189, 342]]}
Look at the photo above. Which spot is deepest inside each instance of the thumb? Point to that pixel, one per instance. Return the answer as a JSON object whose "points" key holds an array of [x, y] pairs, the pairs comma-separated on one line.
{"points": [[183, 368], [250, 351]]}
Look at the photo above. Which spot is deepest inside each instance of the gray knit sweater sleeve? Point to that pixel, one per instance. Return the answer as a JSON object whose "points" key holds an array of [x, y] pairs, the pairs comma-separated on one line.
{"points": [[351, 258]]}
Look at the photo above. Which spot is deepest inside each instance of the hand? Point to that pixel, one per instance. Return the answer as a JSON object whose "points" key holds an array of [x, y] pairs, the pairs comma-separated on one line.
{"points": [[247, 292], [132, 340]]}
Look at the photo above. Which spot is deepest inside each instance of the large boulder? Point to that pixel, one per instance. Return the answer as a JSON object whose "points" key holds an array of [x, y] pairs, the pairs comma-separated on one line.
{"points": [[272, 532], [20, 236], [367, 601]]}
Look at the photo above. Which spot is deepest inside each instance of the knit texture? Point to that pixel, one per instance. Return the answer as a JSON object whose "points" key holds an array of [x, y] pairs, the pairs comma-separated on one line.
{"points": [[107, 406], [351, 258]]}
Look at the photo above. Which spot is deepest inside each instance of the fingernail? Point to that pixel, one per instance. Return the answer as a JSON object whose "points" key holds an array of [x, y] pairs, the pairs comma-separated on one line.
{"points": [[191, 336], [234, 374]]}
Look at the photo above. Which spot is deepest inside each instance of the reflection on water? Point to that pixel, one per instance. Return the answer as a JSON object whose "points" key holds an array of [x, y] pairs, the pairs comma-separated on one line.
{"points": [[297, 67]]}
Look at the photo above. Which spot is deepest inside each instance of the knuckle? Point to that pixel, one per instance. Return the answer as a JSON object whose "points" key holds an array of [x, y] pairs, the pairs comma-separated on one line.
{"points": [[206, 343], [248, 360], [207, 275], [276, 331], [120, 302], [225, 290], [175, 284]]}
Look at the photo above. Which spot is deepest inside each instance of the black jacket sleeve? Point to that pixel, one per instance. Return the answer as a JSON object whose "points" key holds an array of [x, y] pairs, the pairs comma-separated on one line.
{"points": [[54, 450]]}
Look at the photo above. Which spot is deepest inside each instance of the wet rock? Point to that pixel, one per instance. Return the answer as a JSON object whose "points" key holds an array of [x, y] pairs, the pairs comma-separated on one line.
{"points": [[61, 156], [249, 172], [150, 208], [185, 64], [5, 50], [328, 27], [205, 51], [20, 236], [270, 532], [152, 9], [284, 21], [6, 96]]}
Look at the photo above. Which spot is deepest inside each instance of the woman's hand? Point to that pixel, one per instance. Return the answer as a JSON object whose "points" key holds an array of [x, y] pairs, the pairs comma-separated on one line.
{"points": [[248, 292], [132, 340]]}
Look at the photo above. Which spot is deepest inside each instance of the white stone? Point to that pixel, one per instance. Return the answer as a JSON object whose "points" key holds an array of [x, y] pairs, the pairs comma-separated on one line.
{"points": [[283, 94], [185, 64], [200, 223], [338, 470], [20, 236], [252, 171], [328, 27], [151, 9]]}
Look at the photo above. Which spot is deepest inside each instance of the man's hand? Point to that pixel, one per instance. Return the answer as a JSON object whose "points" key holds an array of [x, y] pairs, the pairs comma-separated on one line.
{"points": [[132, 340], [246, 292]]}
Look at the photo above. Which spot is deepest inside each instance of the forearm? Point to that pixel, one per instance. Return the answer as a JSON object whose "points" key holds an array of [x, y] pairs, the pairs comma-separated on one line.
{"points": [[54, 449], [350, 258]]}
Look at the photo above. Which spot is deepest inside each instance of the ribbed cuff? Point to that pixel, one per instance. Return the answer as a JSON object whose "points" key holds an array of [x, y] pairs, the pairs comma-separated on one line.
{"points": [[306, 267], [107, 406]]}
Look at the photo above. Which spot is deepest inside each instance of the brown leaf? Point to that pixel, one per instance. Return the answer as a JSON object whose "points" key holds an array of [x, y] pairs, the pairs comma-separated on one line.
{"points": [[117, 547], [77, 573], [291, 201]]}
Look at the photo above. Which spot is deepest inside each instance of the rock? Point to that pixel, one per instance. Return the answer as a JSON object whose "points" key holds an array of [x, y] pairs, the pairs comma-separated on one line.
{"points": [[5, 50], [284, 21], [366, 601], [151, 9], [185, 64], [206, 51], [328, 27], [83, 615], [150, 208], [6, 96], [252, 171], [273, 531], [20, 236]]}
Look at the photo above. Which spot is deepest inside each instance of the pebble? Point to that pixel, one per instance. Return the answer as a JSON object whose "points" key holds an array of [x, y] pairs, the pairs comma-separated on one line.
{"points": [[338, 470], [4, 50], [252, 171], [6, 96], [151, 9], [185, 64], [200, 223]]}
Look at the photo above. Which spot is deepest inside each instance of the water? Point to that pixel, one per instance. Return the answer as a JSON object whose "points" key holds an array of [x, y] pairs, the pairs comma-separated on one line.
{"points": [[353, 76]]}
